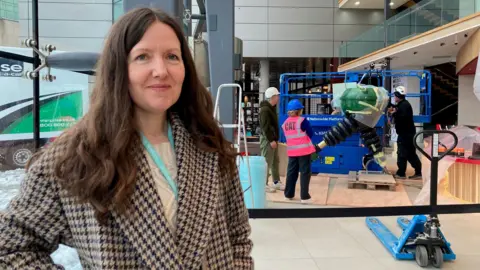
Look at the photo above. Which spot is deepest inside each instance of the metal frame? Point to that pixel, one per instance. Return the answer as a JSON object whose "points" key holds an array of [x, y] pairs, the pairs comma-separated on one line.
{"points": [[201, 26], [240, 126], [351, 147], [354, 76], [36, 80]]}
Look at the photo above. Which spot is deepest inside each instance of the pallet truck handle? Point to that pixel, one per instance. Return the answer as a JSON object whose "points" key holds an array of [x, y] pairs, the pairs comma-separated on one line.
{"points": [[435, 144]]}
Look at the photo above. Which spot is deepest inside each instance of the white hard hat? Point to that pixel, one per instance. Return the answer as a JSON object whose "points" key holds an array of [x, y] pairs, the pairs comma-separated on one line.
{"points": [[271, 91], [401, 90]]}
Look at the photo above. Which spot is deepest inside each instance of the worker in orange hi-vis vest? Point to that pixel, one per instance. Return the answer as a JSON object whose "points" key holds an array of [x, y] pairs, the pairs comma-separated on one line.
{"points": [[299, 133]]}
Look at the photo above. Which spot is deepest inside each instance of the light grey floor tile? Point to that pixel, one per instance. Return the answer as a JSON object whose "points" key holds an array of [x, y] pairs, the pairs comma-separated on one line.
{"points": [[286, 264], [348, 264]]}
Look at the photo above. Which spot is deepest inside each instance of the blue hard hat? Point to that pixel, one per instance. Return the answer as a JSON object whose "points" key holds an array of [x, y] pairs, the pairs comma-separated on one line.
{"points": [[294, 105]]}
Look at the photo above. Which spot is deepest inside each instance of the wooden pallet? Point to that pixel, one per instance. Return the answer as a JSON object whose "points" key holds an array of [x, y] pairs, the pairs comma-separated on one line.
{"points": [[373, 181], [371, 186]]}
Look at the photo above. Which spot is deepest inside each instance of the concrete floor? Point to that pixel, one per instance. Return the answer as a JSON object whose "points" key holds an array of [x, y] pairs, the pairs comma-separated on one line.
{"points": [[346, 243]]}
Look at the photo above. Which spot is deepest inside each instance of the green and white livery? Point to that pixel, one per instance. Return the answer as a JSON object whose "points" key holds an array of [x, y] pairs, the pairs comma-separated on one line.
{"points": [[62, 103]]}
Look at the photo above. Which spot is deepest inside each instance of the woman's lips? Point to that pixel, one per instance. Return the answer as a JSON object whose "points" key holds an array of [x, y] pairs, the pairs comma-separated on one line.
{"points": [[159, 87]]}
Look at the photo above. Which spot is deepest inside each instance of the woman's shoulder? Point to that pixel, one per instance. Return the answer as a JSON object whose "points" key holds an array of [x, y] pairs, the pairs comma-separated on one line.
{"points": [[45, 158]]}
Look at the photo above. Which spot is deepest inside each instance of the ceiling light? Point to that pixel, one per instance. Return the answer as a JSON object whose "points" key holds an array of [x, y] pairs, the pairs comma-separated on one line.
{"points": [[357, 3], [391, 4]]}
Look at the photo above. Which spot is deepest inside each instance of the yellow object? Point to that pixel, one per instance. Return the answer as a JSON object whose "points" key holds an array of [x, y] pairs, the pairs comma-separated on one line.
{"points": [[329, 160], [322, 144]]}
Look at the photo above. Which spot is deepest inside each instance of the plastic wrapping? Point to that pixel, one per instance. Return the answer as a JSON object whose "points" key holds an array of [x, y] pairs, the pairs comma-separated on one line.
{"points": [[258, 172], [365, 102], [476, 81], [466, 138]]}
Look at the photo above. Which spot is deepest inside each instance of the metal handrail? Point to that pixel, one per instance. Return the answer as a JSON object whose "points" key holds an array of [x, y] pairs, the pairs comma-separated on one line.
{"points": [[445, 74]]}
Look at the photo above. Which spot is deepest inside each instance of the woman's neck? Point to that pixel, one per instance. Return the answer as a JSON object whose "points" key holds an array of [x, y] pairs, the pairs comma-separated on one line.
{"points": [[153, 126]]}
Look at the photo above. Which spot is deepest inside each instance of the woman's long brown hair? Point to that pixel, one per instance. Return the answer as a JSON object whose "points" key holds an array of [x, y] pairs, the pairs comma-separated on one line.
{"points": [[98, 166]]}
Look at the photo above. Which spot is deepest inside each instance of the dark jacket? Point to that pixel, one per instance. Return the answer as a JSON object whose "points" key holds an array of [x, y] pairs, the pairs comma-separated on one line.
{"points": [[403, 117], [307, 128], [269, 121]]}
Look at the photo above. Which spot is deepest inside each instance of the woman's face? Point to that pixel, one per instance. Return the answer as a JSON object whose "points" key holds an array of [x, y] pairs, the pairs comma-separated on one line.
{"points": [[156, 70]]}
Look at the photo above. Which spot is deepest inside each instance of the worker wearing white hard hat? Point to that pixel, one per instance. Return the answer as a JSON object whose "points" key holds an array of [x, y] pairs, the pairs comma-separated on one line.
{"points": [[400, 91], [271, 92], [269, 137], [402, 114]]}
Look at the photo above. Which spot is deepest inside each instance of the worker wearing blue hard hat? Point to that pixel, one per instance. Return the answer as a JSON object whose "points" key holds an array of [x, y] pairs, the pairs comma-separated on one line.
{"points": [[294, 105], [299, 134]]}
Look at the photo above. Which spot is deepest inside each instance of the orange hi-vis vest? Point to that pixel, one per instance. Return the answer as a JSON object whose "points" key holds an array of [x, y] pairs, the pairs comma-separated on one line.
{"points": [[298, 142]]}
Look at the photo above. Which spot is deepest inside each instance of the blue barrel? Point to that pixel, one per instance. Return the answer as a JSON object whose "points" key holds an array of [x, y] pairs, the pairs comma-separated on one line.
{"points": [[258, 172]]}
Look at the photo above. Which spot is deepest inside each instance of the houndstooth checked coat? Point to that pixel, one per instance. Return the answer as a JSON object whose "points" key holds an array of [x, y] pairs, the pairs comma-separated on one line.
{"points": [[212, 221]]}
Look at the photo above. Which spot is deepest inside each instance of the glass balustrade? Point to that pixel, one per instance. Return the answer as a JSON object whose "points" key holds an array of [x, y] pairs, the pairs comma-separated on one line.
{"points": [[420, 18]]}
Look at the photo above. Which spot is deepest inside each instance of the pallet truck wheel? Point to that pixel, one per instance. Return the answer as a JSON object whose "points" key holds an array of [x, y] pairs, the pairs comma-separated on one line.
{"points": [[437, 258], [421, 256]]}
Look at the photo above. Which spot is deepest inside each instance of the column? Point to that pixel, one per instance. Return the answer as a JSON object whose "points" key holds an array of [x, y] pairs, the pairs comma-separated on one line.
{"points": [[387, 13], [467, 101], [412, 84], [220, 29], [264, 78], [187, 4]]}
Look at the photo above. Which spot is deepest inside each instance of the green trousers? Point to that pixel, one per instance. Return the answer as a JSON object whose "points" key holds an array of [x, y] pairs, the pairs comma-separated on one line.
{"points": [[271, 156]]}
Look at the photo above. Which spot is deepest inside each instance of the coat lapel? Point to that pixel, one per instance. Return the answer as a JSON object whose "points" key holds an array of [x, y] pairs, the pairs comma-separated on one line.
{"points": [[198, 176], [145, 224]]}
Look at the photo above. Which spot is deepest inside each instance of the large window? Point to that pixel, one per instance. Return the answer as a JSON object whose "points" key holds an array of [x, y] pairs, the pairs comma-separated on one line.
{"points": [[9, 10], [117, 9]]}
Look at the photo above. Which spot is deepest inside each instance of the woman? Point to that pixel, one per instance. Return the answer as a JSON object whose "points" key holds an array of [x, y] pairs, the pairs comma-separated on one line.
{"points": [[145, 180], [299, 135]]}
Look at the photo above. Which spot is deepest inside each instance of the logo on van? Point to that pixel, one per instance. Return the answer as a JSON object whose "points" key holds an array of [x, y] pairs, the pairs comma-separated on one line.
{"points": [[10, 68]]}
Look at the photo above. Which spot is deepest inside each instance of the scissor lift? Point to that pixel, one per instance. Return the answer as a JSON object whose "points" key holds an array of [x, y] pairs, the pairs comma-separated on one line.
{"points": [[347, 156]]}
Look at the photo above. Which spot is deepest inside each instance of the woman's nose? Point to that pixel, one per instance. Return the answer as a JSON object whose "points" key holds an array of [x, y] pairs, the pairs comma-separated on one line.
{"points": [[159, 68]]}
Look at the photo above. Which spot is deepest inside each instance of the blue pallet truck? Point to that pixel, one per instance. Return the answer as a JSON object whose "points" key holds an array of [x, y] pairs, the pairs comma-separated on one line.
{"points": [[422, 239]]}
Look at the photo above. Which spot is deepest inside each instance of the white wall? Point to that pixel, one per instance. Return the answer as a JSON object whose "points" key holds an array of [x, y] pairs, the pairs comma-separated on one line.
{"points": [[468, 103], [297, 28], [9, 33], [69, 24]]}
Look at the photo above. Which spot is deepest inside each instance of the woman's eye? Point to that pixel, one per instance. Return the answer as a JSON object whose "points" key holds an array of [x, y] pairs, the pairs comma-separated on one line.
{"points": [[173, 57], [141, 57]]}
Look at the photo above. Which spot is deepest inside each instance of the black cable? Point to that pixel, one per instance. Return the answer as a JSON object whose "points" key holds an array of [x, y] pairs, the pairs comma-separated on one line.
{"points": [[16, 57], [346, 127]]}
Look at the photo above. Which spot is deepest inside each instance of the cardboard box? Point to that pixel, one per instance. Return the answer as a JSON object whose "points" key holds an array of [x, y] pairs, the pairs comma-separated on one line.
{"points": [[283, 159]]}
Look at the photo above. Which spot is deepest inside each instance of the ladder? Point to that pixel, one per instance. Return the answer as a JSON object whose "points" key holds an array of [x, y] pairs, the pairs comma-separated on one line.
{"points": [[240, 126]]}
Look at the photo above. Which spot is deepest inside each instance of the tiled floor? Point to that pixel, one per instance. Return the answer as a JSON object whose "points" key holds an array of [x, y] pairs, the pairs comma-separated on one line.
{"points": [[347, 243], [337, 244]]}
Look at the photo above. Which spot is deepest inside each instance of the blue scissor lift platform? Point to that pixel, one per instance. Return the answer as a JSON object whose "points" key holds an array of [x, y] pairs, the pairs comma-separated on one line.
{"points": [[347, 156]]}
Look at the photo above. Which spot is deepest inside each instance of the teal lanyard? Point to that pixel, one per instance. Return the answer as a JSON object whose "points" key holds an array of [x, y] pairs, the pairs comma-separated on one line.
{"points": [[158, 161]]}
